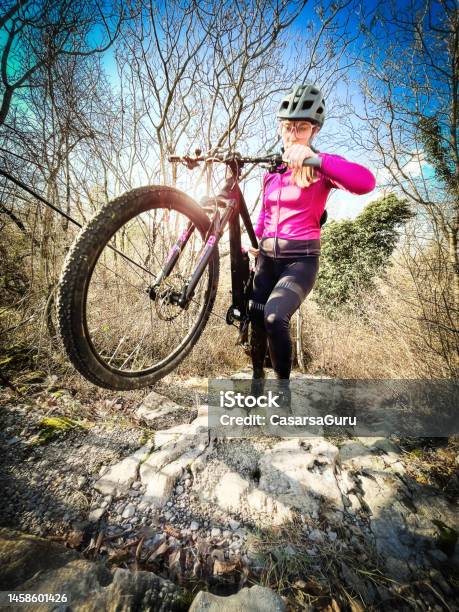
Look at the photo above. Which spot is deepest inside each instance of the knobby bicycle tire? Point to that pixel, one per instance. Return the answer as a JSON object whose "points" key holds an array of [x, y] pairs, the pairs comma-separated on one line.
{"points": [[76, 276]]}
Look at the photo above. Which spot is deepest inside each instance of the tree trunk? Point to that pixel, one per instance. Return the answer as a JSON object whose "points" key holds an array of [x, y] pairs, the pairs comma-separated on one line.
{"points": [[454, 261]]}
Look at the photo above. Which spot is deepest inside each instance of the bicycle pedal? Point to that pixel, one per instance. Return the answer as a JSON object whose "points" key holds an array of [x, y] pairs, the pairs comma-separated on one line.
{"points": [[246, 348], [243, 340]]}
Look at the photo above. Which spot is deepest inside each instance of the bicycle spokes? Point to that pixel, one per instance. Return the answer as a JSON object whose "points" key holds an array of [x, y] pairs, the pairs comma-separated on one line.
{"points": [[131, 327]]}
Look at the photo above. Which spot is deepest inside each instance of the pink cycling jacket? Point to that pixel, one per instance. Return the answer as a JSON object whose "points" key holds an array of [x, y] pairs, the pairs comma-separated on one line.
{"points": [[289, 220]]}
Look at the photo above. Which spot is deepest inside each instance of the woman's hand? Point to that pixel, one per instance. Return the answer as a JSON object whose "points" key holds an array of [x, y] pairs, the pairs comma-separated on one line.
{"points": [[253, 251], [296, 154]]}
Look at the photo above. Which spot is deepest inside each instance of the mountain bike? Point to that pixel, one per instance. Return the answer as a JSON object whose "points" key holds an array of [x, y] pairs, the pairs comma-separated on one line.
{"points": [[140, 281]]}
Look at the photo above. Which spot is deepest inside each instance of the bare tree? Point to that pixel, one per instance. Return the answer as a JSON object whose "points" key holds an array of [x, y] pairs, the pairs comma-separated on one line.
{"points": [[205, 71], [44, 146], [36, 33], [410, 110]]}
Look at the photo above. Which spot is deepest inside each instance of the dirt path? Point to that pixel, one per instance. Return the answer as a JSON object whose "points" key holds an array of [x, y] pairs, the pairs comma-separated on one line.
{"points": [[324, 522]]}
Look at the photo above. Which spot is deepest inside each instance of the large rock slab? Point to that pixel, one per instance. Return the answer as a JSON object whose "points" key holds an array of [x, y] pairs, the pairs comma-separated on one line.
{"points": [[229, 491], [154, 407], [176, 449], [22, 556], [301, 474], [401, 513], [255, 599], [91, 587], [119, 477], [47, 567]]}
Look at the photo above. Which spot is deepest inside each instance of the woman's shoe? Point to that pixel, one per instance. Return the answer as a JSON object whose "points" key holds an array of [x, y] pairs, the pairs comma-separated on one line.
{"points": [[282, 388], [257, 387]]}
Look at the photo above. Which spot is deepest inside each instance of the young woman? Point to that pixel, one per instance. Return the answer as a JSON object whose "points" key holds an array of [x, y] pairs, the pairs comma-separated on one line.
{"points": [[289, 228]]}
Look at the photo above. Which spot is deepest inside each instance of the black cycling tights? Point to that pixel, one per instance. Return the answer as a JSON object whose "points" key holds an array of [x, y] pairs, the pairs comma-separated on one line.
{"points": [[279, 287]]}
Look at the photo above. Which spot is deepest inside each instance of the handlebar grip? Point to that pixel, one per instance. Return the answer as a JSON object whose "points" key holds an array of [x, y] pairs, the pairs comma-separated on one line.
{"points": [[315, 162]]}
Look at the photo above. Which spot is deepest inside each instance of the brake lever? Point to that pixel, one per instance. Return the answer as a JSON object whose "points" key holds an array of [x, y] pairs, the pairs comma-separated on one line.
{"points": [[278, 166], [190, 163]]}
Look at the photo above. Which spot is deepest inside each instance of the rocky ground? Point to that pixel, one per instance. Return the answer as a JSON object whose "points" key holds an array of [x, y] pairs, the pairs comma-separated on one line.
{"points": [[329, 524]]}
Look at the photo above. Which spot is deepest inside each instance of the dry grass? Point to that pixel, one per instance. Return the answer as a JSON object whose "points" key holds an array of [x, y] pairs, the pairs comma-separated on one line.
{"points": [[391, 339], [433, 463], [317, 574]]}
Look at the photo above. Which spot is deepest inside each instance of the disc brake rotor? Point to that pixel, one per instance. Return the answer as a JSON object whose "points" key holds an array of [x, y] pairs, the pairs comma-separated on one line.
{"points": [[165, 308]]}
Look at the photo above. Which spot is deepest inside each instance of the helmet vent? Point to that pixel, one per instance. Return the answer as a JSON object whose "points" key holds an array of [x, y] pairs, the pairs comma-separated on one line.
{"points": [[314, 92], [307, 104], [320, 110]]}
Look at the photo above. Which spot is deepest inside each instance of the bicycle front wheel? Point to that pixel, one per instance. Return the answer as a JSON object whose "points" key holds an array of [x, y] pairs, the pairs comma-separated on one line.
{"points": [[116, 331]]}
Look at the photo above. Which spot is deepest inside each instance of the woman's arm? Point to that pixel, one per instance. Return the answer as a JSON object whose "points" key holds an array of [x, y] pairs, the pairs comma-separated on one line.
{"points": [[347, 175], [260, 224]]}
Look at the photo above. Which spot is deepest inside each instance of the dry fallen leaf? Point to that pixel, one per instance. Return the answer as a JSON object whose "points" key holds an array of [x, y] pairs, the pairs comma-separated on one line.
{"points": [[138, 551], [175, 568], [224, 567], [118, 556], [245, 572], [189, 560], [172, 531], [160, 550], [217, 554], [197, 569]]}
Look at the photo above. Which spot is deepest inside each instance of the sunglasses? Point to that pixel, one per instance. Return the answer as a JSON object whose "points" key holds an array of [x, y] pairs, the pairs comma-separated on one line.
{"points": [[301, 130]]}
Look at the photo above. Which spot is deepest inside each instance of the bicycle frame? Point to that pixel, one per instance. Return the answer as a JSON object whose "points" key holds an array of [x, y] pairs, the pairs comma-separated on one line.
{"points": [[232, 201]]}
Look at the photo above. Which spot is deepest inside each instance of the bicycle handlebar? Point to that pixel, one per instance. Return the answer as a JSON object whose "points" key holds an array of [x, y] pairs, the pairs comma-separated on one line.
{"points": [[274, 160]]}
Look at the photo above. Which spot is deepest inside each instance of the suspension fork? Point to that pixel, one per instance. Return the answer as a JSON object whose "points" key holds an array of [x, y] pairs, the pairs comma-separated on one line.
{"points": [[173, 255], [213, 235], [215, 232]]}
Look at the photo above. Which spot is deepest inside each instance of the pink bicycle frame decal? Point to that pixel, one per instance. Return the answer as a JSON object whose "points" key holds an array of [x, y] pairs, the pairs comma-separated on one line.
{"points": [[173, 250], [184, 235], [176, 249]]}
